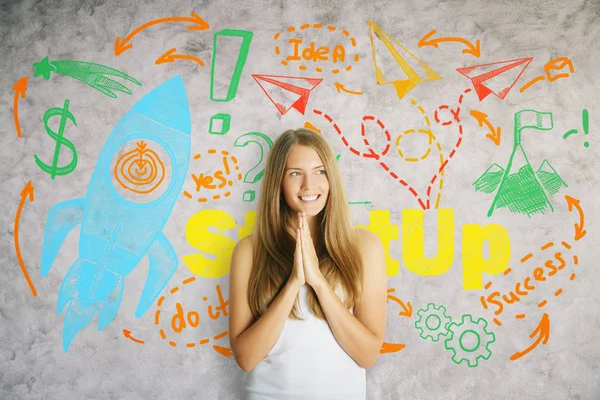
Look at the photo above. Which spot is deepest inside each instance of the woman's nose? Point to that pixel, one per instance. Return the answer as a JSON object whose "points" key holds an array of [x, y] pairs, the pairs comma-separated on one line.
{"points": [[308, 182]]}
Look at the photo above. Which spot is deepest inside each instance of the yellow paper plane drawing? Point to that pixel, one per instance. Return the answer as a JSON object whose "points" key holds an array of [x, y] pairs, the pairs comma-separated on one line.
{"points": [[415, 72]]}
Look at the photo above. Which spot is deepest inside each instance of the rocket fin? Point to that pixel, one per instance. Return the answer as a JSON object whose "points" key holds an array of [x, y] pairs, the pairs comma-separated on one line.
{"points": [[78, 315], [62, 217], [110, 294], [87, 290], [79, 276], [79, 312], [163, 264]]}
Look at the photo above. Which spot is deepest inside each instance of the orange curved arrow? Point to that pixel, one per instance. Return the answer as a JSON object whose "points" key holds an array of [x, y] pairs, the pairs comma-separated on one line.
{"points": [[481, 118], [19, 88], [122, 45], [26, 192], [127, 334], [579, 231], [391, 347], [473, 50], [543, 329], [395, 347], [341, 87], [224, 351], [168, 57], [407, 309]]}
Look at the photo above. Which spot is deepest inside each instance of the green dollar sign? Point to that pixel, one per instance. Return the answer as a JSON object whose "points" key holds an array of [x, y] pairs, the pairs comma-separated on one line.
{"points": [[54, 170]]}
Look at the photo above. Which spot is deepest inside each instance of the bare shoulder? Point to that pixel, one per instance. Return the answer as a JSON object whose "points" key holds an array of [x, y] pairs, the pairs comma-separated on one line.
{"points": [[371, 250], [368, 241], [245, 245], [241, 261], [240, 315], [371, 311]]}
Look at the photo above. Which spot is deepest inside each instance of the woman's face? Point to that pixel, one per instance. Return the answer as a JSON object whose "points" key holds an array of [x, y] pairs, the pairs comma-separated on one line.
{"points": [[305, 176]]}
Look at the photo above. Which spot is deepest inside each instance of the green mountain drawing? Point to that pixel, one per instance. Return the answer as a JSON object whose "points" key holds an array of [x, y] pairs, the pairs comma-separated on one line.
{"points": [[550, 179], [520, 188], [490, 180]]}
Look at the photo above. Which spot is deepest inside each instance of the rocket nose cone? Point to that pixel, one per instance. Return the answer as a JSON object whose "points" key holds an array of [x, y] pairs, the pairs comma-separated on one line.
{"points": [[168, 105]]}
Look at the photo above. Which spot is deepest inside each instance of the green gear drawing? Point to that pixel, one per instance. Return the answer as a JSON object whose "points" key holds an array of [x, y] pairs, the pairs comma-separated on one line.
{"points": [[455, 341], [429, 315]]}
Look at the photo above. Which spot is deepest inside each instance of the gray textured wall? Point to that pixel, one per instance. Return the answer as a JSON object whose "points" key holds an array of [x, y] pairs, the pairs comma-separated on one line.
{"points": [[107, 364]]}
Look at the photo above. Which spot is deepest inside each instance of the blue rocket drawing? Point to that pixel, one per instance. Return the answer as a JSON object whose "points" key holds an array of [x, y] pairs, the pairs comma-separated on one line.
{"points": [[116, 232]]}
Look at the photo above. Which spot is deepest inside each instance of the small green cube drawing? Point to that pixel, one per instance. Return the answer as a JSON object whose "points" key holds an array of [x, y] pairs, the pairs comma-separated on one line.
{"points": [[249, 196], [220, 124]]}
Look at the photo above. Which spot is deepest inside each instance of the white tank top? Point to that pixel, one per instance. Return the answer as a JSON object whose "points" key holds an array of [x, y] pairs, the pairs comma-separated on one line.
{"points": [[305, 363]]}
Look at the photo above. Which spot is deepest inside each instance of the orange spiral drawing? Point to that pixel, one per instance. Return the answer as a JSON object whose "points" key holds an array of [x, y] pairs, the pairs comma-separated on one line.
{"points": [[140, 170]]}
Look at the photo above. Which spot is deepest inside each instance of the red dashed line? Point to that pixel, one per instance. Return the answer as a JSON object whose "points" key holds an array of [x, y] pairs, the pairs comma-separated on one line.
{"points": [[372, 153], [458, 141]]}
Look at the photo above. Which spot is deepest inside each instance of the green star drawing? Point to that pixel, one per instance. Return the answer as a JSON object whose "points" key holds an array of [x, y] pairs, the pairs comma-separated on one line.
{"points": [[94, 75], [43, 68]]}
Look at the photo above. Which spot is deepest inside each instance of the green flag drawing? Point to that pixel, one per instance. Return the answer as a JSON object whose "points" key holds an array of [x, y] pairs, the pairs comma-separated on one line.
{"points": [[520, 188]]}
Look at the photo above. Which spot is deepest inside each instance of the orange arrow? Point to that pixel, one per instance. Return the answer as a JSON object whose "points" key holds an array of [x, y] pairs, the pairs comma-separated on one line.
{"points": [[341, 87], [395, 347], [579, 231], [127, 334], [481, 118], [168, 57], [123, 45], [26, 192], [19, 88], [474, 50], [543, 329], [311, 126], [391, 347], [407, 310], [224, 351]]}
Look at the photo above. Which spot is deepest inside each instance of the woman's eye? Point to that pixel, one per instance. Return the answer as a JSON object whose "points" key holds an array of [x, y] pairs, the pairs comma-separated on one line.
{"points": [[296, 172]]}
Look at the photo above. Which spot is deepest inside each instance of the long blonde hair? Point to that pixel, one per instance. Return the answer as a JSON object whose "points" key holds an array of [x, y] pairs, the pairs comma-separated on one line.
{"points": [[274, 246]]}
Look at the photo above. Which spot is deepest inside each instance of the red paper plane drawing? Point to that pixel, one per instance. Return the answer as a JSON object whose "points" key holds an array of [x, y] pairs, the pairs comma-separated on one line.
{"points": [[287, 91], [497, 78]]}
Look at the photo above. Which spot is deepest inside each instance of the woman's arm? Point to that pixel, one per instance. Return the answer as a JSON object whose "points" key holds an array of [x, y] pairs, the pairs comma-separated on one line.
{"points": [[361, 336], [250, 342]]}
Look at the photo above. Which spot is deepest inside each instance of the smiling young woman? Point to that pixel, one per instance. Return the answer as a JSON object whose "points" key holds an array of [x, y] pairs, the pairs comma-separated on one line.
{"points": [[307, 291]]}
